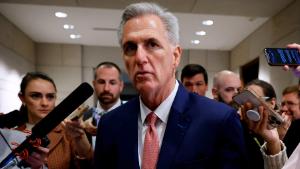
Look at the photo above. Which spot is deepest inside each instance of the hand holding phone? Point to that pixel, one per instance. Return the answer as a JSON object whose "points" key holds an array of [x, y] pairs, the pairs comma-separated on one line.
{"points": [[274, 119], [78, 112], [282, 56]]}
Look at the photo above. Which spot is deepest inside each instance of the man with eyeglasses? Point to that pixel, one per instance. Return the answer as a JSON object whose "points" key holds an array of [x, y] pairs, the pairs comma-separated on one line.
{"points": [[290, 106], [226, 84]]}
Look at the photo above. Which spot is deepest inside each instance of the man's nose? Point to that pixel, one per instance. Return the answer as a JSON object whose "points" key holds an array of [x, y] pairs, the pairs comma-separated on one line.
{"points": [[141, 55], [194, 88], [106, 86], [236, 91]]}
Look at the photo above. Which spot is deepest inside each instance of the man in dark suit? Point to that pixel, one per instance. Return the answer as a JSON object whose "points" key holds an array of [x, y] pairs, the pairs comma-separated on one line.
{"points": [[194, 78], [166, 126]]}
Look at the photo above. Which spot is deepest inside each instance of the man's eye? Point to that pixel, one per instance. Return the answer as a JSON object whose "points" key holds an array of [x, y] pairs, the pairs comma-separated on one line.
{"points": [[151, 44], [229, 89], [199, 84], [113, 82], [188, 84], [100, 81], [129, 49]]}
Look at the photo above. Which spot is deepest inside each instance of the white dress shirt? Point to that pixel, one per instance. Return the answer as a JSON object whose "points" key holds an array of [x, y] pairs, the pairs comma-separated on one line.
{"points": [[101, 110], [118, 103], [294, 161], [162, 112]]}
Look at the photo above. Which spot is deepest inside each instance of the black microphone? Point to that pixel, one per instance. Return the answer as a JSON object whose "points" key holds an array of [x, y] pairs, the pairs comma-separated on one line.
{"points": [[48, 123], [12, 119]]}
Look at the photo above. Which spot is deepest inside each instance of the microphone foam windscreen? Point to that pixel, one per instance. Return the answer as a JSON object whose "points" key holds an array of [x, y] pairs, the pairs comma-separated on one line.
{"points": [[61, 111]]}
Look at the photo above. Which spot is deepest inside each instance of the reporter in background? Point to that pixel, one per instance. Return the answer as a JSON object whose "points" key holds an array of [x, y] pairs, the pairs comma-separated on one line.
{"points": [[36, 160], [274, 154], [254, 140], [38, 96], [194, 79], [226, 84], [108, 86]]}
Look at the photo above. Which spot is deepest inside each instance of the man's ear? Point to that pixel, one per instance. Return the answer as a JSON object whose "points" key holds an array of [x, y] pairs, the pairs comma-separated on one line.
{"points": [[94, 83], [177, 55], [214, 92], [121, 86]]}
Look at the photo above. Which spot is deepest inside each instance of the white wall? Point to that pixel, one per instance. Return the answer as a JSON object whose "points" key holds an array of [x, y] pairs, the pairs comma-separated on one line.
{"points": [[16, 58], [12, 69]]}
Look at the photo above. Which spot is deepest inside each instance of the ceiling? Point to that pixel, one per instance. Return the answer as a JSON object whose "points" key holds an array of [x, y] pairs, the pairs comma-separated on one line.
{"points": [[97, 21]]}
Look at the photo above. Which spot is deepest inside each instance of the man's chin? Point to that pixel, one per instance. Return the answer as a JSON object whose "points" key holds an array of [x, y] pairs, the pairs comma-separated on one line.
{"points": [[107, 101], [144, 86]]}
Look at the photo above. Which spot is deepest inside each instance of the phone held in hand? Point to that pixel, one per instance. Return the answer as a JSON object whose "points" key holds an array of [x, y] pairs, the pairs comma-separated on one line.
{"points": [[282, 56], [274, 118]]}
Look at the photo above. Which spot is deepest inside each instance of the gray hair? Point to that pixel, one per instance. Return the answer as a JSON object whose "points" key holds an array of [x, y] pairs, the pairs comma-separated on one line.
{"points": [[139, 9]]}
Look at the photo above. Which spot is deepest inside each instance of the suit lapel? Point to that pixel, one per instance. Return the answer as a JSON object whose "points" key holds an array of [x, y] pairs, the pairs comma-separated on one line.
{"points": [[178, 123], [129, 136]]}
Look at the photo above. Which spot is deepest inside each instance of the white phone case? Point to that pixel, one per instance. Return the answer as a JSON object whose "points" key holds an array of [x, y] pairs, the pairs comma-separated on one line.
{"points": [[246, 95]]}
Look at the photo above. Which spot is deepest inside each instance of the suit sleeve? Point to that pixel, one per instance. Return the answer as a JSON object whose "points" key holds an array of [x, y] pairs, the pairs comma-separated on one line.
{"points": [[232, 149], [103, 157]]}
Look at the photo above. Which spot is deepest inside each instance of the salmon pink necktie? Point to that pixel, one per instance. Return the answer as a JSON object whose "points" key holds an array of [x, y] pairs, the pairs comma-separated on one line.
{"points": [[151, 143]]}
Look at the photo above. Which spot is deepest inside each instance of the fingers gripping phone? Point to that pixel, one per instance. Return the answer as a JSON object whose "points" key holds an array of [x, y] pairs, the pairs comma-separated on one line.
{"points": [[78, 112], [282, 56], [274, 118]]}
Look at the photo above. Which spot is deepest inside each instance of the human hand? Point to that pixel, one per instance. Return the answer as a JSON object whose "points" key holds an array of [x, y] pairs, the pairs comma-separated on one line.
{"points": [[74, 131], [260, 127], [38, 158], [89, 127], [295, 69], [283, 128]]}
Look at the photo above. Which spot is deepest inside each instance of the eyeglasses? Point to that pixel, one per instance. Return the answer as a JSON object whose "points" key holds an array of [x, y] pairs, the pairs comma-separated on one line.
{"points": [[288, 104]]}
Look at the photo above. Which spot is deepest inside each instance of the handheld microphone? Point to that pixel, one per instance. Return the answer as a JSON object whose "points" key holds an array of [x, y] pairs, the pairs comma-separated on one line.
{"points": [[48, 123], [12, 119]]}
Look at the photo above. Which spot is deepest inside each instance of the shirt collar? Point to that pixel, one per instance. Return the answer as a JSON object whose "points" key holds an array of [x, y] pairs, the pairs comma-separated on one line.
{"points": [[163, 110], [118, 103]]}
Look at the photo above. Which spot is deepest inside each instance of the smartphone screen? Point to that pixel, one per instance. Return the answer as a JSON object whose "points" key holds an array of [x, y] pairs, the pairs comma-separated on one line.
{"points": [[282, 56]]}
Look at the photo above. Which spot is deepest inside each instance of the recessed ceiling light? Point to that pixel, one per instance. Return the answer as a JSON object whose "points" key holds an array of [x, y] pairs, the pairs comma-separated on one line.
{"points": [[208, 22], [201, 33], [196, 42], [67, 26], [61, 14], [75, 36]]}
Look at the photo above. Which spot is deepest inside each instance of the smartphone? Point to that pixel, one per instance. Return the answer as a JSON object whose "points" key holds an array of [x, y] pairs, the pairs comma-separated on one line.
{"points": [[78, 113], [282, 56], [274, 119]]}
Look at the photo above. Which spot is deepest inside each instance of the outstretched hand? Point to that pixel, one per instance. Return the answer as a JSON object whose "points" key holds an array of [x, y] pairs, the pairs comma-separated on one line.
{"points": [[294, 69], [38, 158], [270, 136]]}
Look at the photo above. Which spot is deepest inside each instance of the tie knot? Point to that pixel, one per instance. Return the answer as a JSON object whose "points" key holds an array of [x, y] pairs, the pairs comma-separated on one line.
{"points": [[151, 118]]}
